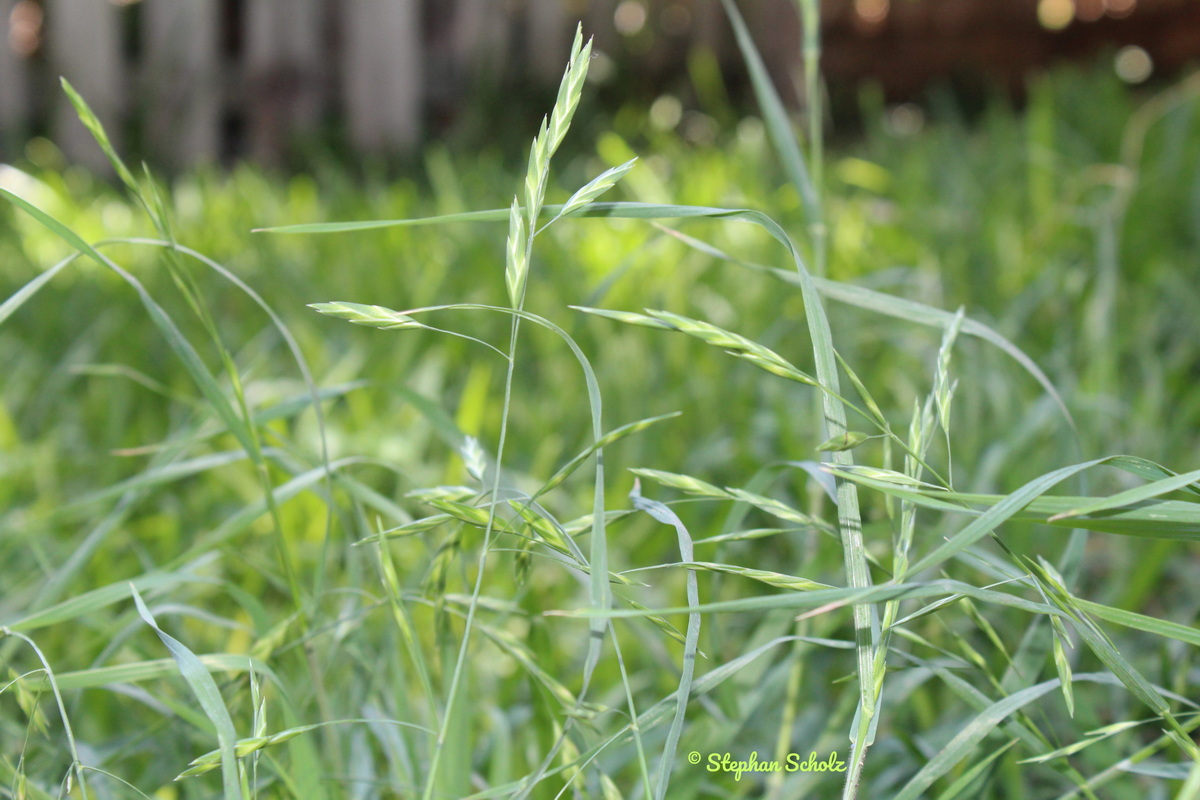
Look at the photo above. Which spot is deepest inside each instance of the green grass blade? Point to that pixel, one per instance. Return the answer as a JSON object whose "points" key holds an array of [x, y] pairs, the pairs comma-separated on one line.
{"points": [[88, 602], [969, 737], [783, 137], [138, 671], [823, 601], [1135, 495], [1156, 519], [666, 516], [1141, 622], [964, 781], [609, 438], [18, 298], [494, 215], [207, 694]]}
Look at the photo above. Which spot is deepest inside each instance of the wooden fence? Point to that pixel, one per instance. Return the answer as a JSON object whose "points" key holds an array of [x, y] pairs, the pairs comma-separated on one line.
{"points": [[206, 80], [202, 79]]}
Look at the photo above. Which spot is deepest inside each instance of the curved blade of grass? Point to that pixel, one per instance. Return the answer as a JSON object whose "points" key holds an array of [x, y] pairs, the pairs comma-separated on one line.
{"points": [[666, 516], [207, 694], [76, 768]]}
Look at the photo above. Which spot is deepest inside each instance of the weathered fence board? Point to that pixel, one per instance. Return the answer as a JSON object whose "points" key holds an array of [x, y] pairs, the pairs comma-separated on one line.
{"points": [[382, 73], [84, 42], [214, 79], [546, 45], [182, 80]]}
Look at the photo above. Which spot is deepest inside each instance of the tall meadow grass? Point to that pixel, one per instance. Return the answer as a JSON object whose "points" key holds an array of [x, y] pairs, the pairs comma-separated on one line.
{"points": [[881, 453]]}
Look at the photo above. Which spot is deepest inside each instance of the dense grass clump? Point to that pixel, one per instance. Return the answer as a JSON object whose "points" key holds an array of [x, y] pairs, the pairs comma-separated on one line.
{"points": [[882, 470]]}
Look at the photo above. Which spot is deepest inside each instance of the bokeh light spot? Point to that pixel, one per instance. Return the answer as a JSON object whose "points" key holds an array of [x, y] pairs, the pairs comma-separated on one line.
{"points": [[1055, 14], [630, 17], [872, 12], [665, 112], [1133, 64]]}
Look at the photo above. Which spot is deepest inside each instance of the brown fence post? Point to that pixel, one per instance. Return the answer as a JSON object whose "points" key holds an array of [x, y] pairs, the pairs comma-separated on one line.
{"points": [[84, 44], [383, 74], [181, 76]]}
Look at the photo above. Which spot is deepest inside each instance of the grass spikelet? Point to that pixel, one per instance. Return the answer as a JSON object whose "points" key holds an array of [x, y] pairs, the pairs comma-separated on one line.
{"points": [[369, 315]]}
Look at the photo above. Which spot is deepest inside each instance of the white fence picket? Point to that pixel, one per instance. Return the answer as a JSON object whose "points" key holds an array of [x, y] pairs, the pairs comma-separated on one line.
{"points": [[83, 38], [288, 73], [181, 73], [382, 73]]}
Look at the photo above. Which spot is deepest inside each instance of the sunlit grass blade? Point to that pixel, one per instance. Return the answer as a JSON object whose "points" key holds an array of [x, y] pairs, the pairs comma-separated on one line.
{"points": [[685, 483]]}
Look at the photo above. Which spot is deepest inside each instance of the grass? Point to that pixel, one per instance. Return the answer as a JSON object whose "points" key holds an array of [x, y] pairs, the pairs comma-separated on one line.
{"points": [[447, 583]]}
